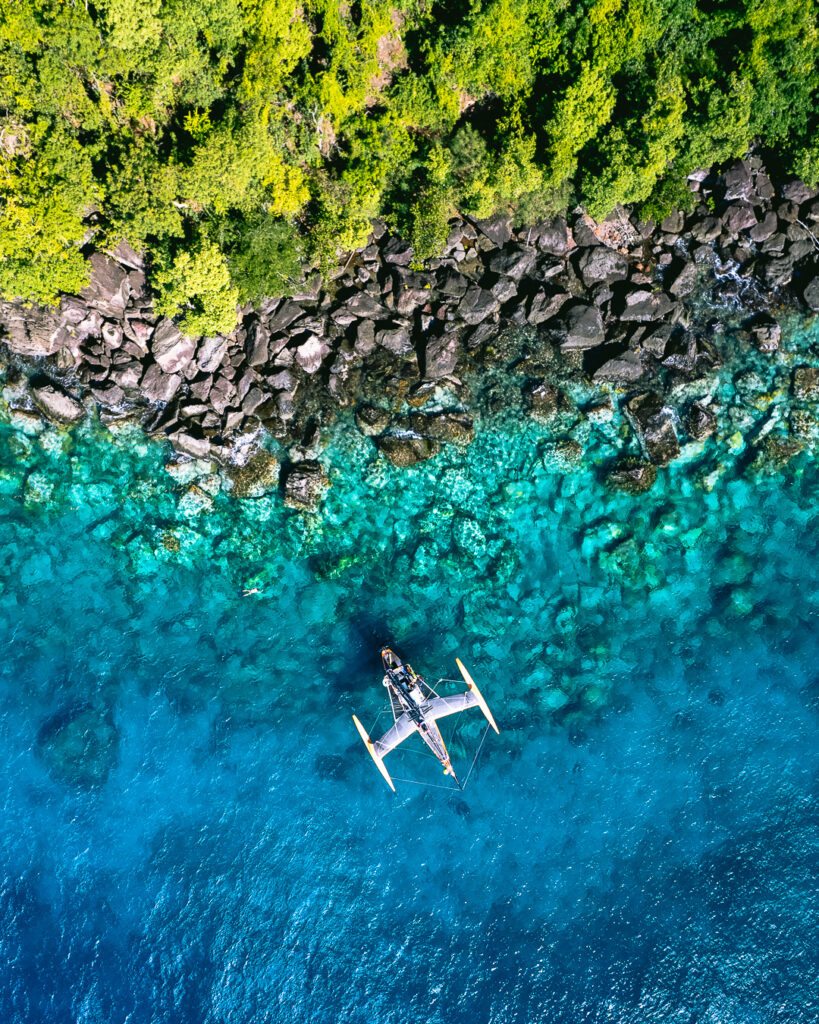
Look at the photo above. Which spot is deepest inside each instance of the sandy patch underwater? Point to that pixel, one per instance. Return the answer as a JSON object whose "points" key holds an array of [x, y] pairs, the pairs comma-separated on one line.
{"points": [[191, 830]]}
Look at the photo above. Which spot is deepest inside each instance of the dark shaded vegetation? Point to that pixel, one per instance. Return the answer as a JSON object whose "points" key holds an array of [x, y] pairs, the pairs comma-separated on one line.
{"points": [[238, 140]]}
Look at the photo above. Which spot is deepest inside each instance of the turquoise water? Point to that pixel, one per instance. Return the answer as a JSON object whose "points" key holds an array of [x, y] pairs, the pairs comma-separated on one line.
{"points": [[192, 830]]}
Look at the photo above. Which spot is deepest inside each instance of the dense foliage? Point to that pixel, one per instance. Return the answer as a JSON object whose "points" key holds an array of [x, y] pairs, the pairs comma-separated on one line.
{"points": [[236, 140]]}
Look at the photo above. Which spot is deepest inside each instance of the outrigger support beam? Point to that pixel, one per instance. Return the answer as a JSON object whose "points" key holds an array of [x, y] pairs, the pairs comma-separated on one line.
{"points": [[470, 682], [379, 762]]}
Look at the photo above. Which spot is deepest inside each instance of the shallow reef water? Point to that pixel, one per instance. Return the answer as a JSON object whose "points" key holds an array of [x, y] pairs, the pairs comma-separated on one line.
{"points": [[192, 831]]}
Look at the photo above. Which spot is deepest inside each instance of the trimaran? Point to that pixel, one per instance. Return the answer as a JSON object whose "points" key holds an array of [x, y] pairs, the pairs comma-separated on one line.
{"points": [[416, 707]]}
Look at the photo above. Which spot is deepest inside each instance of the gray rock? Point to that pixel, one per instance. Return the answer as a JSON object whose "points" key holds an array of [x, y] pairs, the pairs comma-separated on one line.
{"points": [[738, 183], [286, 314], [582, 327], [766, 334], [210, 353], [542, 306], [504, 289], [108, 393], [310, 354], [397, 252], [112, 334], [738, 217], [621, 369], [642, 306], [365, 338], [514, 261], [362, 305], [654, 425], [811, 294], [778, 271], [553, 237], [31, 332], [797, 192], [305, 484], [684, 282], [127, 375], [157, 386], [477, 305], [404, 450], [397, 341], [707, 229], [187, 444], [674, 223], [108, 290], [57, 403], [451, 283], [601, 264], [762, 231], [257, 344], [172, 350], [441, 355], [497, 229]]}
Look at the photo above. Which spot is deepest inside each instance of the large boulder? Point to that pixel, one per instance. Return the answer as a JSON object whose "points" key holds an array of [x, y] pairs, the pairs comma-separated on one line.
{"points": [[477, 305], [602, 264], [310, 353], [766, 333], [738, 182], [441, 355], [654, 424], [157, 386], [31, 332], [57, 403], [514, 261], [582, 327], [497, 229], [642, 305], [620, 369], [171, 349], [684, 280], [305, 484], [109, 289], [811, 294], [405, 450]]}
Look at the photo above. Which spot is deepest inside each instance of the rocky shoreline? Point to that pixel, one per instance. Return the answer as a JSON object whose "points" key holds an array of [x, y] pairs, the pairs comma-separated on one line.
{"points": [[612, 305]]}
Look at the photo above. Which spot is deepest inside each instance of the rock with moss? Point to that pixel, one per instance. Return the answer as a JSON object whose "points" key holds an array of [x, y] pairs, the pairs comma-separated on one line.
{"points": [[805, 383], [564, 455], [257, 477], [371, 420], [632, 476], [452, 427], [404, 450], [305, 484]]}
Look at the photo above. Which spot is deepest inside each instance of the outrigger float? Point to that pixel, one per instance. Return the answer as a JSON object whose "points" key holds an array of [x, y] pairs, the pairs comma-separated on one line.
{"points": [[416, 707]]}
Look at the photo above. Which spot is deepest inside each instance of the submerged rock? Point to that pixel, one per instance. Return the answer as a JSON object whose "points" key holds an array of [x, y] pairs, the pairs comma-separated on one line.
{"points": [[80, 745]]}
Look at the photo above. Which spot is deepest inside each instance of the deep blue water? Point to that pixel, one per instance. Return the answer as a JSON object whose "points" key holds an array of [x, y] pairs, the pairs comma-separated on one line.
{"points": [[192, 831]]}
